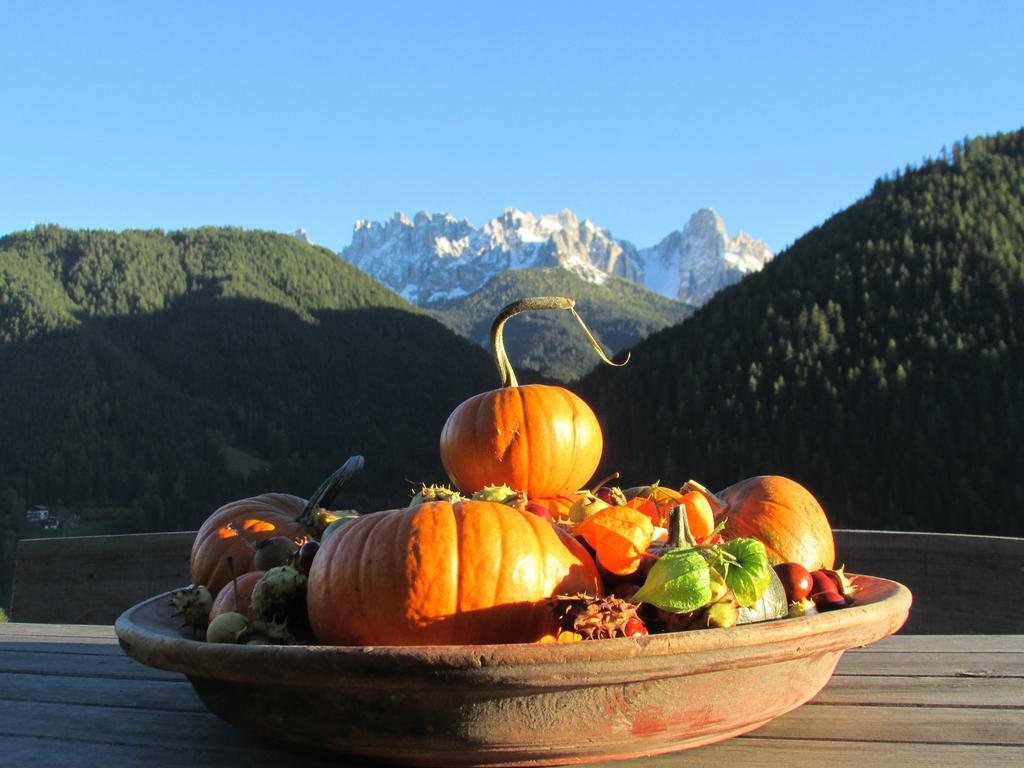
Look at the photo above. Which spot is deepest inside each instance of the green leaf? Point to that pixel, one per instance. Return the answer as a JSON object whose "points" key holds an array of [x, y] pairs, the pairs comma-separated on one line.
{"points": [[679, 582], [744, 565]]}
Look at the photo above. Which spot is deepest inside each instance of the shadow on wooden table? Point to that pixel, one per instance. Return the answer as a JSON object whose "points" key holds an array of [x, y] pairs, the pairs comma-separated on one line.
{"points": [[959, 582]]}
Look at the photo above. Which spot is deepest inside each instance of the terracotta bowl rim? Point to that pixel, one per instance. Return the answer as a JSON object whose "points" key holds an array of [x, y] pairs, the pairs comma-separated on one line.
{"points": [[149, 633]]}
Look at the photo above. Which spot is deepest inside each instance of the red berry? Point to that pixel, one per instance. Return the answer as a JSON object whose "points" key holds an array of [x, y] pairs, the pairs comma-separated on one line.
{"points": [[824, 593], [634, 627], [796, 580]]}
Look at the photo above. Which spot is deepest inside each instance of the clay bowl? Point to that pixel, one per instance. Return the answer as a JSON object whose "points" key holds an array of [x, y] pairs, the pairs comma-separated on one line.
{"points": [[539, 704]]}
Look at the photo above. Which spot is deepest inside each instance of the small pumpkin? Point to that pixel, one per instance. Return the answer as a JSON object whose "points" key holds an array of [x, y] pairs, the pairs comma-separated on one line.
{"points": [[783, 515], [537, 438], [448, 573], [236, 528]]}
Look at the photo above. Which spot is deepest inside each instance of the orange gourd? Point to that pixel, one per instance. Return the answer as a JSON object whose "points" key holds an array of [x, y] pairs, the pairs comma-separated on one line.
{"points": [[657, 501], [783, 515], [539, 439], [235, 529], [468, 572]]}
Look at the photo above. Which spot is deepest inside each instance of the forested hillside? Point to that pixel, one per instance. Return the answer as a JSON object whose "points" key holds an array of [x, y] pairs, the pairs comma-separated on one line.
{"points": [[619, 314], [879, 360], [164, 374]]}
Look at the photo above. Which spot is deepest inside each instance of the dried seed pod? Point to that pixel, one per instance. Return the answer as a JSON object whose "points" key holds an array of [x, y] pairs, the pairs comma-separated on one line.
{"points": [[193, 605]]}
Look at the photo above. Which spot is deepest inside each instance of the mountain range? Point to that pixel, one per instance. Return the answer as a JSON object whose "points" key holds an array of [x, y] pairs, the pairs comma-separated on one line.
{"points": [[436, 257]]}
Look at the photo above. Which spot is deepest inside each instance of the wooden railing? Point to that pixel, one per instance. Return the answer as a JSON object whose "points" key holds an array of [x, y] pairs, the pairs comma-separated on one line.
{"points": [[92, 579], [961, 584]]}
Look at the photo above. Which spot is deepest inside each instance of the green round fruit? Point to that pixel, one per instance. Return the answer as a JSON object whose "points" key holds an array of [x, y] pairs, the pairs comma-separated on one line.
{"points": [[226, 628]]}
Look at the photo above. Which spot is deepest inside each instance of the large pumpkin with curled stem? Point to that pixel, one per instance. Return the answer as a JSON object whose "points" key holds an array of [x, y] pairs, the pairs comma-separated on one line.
{"points": [[468, 572], [539, 439], [234, 530]]}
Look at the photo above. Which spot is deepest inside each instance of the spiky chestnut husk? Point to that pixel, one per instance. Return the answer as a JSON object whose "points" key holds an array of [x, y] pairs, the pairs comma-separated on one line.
{"points": [[805, 607], [280, 597], [266, 633], [845, 586], [596, 618], [193, 605], [501, 494], [434, 493]]}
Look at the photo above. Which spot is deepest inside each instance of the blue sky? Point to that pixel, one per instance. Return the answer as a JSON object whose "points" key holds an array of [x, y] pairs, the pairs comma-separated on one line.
{"points": [[116, 115]]}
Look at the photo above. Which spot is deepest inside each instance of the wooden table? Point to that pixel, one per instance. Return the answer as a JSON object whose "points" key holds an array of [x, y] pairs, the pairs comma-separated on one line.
{"points": [[70, 697]]}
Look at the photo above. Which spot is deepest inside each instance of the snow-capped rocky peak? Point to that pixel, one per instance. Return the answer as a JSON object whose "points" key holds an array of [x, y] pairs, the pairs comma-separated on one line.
{"points": [[436, 256], [300, 234], [692, 265]]}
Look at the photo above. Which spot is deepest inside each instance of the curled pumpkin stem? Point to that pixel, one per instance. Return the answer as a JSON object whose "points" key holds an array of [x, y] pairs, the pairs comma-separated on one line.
{"points": [[508, 376], [330, 488]]}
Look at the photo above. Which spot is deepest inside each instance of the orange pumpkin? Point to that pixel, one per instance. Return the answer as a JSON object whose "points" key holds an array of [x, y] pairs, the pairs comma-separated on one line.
{"points": [[539, 439], [783, 515], [468, 572], [234, 529]]}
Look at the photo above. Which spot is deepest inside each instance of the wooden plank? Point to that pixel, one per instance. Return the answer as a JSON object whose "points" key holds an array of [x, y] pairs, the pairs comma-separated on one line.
{"points": [[60, 752], [93, 579], [114, 738], [114, 666], [923, 691], [58, 632], [174, 695], [799, 753], [933, 664], [928, 725], [945, 644], [87, 648], [118, 725]]}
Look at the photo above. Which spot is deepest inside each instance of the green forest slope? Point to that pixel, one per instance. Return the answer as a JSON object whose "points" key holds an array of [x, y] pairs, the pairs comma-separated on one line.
{"points": [[618, 313], [164, 374], [879, 360]]}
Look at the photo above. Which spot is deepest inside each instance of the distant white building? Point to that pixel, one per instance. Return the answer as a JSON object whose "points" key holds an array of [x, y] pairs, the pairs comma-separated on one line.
{"points": [[37, 514]]}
